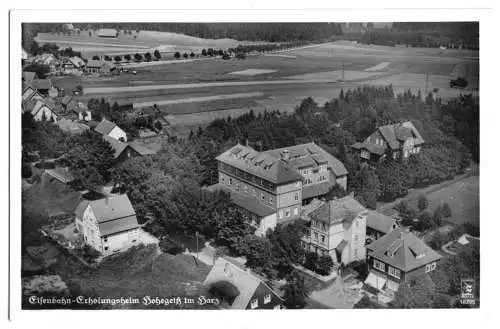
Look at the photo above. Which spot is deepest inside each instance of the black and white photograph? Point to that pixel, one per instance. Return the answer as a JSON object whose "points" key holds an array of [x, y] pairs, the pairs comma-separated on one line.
{"points": [[246, 165]]}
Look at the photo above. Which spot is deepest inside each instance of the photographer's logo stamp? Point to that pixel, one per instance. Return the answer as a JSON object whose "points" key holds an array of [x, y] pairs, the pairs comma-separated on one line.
{"points": [[467, 292]]}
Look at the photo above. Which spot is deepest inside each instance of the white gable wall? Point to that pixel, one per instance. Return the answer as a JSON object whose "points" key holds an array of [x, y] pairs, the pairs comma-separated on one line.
{"points": [[118, 133]]}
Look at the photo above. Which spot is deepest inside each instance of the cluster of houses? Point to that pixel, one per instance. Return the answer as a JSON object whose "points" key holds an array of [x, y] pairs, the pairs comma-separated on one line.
{"points": [[72, 65], [273, 187], [279, 186]]}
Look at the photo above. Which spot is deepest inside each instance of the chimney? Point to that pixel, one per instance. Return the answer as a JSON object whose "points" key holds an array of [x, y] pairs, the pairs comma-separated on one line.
{"points": [[106, 200], [285, 155]]}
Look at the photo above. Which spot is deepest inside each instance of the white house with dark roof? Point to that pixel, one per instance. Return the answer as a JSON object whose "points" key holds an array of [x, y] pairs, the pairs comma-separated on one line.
{"points": [[108, 225], [108, 128], [337, 228], [240, 289], [397, 257], [397, 141]]}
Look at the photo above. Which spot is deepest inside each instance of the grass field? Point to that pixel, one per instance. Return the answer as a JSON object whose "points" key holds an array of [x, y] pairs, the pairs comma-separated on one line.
{"points": [[463, 198], [91, 44], [404, 68]]}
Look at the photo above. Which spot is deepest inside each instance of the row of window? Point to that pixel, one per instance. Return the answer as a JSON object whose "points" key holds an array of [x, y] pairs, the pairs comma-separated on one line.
{"points": [[322, 237], [430, 267], [379, 141], [307, 171], [255, 302], [246, 189]]}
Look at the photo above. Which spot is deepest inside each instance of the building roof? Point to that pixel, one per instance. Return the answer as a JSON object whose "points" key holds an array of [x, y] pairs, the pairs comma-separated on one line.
{"points": [[106, 209], [104, 127], [41, 84], [339, 210], [142, 150], [315, 190], [403, 250], [118, 225], [310, 154], [260, 164], [244, 280], [28, 77], [250, 203], [117, 146], [72, 127], [372, 148], [62, 174], [379, 222], [107, 33], [77, 61], [396, 134]]}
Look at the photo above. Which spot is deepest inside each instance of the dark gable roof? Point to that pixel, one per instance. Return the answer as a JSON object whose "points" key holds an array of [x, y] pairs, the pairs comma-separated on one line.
{"points": [[403, 250], [379, 222], [340, 210], [399, 132], [310, 154], [260, 164], [114, 214], [104, 127], [113, 207]]}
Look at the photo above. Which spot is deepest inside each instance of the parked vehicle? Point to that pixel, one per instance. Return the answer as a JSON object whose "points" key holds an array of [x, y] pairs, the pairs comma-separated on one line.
{"points": [[459, 83]]}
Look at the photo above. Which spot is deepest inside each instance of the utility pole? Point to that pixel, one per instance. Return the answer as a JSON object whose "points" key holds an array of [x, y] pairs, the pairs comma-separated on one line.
{"points": [[343, 75], [426, 83]]}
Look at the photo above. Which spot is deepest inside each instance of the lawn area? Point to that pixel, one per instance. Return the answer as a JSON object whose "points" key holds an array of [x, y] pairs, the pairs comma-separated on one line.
{"points": [[463, 198], [138, 272]]}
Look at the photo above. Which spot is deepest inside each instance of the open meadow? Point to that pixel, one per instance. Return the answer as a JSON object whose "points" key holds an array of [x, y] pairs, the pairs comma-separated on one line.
{"points": [[198, 90]]}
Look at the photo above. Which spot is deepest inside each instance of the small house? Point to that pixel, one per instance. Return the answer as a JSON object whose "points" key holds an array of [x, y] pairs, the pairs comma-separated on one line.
{"points": [[396, 257], [108, 128], [41, 110], [108, 225]]}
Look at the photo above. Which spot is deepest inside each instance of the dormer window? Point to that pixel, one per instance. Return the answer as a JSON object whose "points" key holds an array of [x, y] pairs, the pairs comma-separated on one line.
{"points": [[254, 303]]}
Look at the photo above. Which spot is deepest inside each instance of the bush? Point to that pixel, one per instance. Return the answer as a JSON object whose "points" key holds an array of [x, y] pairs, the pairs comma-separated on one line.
{"points": [[324, 265], [89, 253], [170, 247], [311, 261], [422, 202], [446, 210]]}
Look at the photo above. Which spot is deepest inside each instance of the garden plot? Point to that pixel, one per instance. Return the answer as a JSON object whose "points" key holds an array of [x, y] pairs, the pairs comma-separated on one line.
{"points": [[378, 67], [252, 72]]}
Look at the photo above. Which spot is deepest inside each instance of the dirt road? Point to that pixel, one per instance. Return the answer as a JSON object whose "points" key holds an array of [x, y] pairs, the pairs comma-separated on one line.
{"points": [[128, 89]]}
